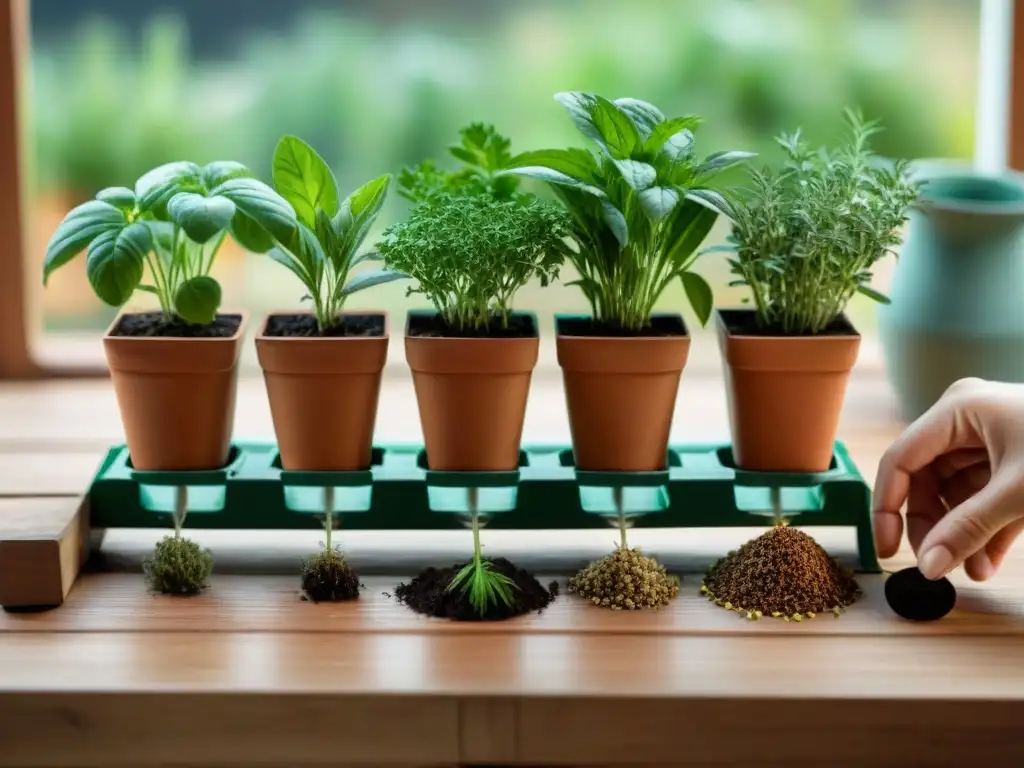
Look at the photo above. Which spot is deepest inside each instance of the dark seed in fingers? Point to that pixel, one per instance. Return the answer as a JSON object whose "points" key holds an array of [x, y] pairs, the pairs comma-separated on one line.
{"points": [[914, 597]]}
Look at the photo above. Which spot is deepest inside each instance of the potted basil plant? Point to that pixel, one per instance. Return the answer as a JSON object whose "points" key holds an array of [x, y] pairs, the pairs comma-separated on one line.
{"points": [[641, 205], [174, 370], [805, 238], [322, 367]]}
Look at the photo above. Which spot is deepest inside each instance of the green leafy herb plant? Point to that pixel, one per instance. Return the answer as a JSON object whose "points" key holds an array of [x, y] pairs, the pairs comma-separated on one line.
{"points": [[330, 230], [641, 204], [805, 237], [172, 225], [478, 580]]}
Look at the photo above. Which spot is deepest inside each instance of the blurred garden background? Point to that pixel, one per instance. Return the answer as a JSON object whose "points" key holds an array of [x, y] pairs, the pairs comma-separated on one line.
{"points": [[119, 86]]}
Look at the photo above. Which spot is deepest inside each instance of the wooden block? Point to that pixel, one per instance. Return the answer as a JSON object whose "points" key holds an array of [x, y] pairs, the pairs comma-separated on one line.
{"points": [[43, 543]]}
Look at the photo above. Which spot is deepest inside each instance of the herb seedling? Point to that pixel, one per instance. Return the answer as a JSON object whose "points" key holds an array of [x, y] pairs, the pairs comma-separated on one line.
{"points": [[640, 204], [172, 223], [477, 578], [807, 236], [470, 254], [178, 566], [330, 232], [327, 576]]}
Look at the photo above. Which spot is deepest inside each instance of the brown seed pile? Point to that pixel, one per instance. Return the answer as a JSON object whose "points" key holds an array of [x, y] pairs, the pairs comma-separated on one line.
{"points": [[625, 580], [782, 573]]}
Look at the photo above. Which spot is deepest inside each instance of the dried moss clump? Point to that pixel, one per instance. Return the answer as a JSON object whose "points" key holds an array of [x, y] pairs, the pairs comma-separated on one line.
{"points": [[783, 573], [327, 577], [625, 580], [178, 566]]}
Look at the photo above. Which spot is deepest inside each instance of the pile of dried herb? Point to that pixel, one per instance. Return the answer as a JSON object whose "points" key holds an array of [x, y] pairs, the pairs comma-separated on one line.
{"points": [[782, 573], [625, 580]]}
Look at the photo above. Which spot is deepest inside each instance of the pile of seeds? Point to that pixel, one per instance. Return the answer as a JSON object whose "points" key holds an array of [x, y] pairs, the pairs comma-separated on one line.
{"points": [[783, 573], [625, 580]]}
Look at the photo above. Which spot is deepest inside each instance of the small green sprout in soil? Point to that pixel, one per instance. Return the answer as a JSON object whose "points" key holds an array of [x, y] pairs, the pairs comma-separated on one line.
{"points": [[807, 236], [178, 566], [625, 580], [783, 573], [327, 576]]}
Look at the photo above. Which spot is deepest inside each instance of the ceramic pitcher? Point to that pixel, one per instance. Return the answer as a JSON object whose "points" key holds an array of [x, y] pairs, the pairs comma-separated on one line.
{"points": [[958, 290]]}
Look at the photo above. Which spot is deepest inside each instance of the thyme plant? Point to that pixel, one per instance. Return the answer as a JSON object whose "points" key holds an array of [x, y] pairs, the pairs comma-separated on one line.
{"points": [[329, 232], [172, 224], [806, 236], [478, 579], [641, 204]]}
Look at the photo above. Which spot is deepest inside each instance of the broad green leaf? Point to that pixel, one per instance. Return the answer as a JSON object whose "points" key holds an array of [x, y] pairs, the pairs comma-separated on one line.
{"points": [[699, 294], [303, 178], [554, 177], [250, 235], [580, 106], [369, 279], [678, 146], [658, 202], [202, 218], [709, 198], [577, 163], [644, 116], [638, 175], [719, 161], [261, 204], [198, 299], [80, 227], [156, 199], [162, 235], [119, 197], [165, 173], [616, 222], [682, 127], [216, 173], [620, 135], [685, 230], [116, 261], [874, 295]]}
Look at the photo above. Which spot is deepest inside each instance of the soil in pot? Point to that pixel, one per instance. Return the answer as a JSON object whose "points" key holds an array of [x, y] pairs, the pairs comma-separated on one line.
{"points": [[178, 566], [625, 580], [158, 324], [660, 326], [783, 573], [294, 326], [327, 577], [434, 326], [429, 594]]}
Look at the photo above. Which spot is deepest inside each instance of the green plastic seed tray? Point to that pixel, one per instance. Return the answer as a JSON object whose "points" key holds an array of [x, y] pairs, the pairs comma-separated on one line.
{"points": [[700, 488]]}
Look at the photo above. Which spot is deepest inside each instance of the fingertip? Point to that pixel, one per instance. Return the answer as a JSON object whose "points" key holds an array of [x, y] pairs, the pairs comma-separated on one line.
{"points": [[888, 532]]}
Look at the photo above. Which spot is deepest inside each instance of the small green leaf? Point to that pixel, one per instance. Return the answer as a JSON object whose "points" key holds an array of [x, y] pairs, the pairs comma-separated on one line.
{"points": [[119, 197], [719, 161], [638, 175], [554, 177], [659, 202], [367, 256], [620, 134], [358, 211], [197, 300], [709, 198], [580, 106], [644, 116], [166, 173], [148, 289], [874, 295], [369, 279], [681, 127], [202, 218], [261, 204], [678, 146], [80, 227], [616, 222], [303, 178], [116, 261], [289, 262], [684, 232], [219, 171], [577, 163], [699, 294]]}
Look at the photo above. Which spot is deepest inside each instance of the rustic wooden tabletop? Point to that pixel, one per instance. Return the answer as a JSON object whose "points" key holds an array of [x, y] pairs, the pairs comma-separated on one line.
{"points": [[247, 674]]}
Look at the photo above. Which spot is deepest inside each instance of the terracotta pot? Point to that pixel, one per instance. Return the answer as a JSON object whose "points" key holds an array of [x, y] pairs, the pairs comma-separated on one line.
{"points": [[323, 395], [177, 397], [785, 393], [621, 395], [472, 396]]}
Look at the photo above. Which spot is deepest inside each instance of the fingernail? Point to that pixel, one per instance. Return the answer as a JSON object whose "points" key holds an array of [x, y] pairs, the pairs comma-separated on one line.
{"points": [[935, 562]]}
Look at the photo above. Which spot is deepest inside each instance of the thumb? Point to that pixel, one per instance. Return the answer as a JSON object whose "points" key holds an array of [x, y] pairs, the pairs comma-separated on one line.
{"points": [[969, 527]]}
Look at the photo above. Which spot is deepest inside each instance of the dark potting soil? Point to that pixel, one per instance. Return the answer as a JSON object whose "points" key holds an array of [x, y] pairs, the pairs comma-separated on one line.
{"points": [[327, 577], [428, 593], [782, 573], [743, 322], [158, 324], [519, 327], [305, 326], [668, 325], [914, 597]]}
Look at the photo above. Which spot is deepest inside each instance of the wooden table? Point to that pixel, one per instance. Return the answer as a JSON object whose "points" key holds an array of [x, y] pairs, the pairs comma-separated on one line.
{"points": [[249, 675]]}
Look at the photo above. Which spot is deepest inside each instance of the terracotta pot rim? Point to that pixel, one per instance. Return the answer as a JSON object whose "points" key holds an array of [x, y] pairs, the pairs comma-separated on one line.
{"points": [[261, 334], [449, 339], [577, 316], [238, 334], [749, 338]]}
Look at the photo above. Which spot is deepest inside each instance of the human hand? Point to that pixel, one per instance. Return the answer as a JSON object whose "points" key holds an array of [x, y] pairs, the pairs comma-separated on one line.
{"points": [[960, 470]]}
